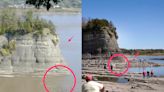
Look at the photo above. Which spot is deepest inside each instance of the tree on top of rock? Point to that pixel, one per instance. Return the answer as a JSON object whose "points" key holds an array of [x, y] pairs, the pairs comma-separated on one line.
{"points": [[97, 24]]}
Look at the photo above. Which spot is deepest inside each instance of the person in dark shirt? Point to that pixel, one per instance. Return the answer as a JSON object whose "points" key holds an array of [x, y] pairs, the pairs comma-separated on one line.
{"points": [[111, 66], [152, 73], [105, 67], [148, 74]]}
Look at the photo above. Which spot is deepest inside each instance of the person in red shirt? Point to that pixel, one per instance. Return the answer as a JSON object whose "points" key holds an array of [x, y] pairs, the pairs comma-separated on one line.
{"points": [[144, 74], [92, 86]]}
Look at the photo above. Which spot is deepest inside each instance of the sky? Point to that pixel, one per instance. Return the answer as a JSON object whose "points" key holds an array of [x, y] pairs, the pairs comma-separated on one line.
{"points": [[139, 23]]}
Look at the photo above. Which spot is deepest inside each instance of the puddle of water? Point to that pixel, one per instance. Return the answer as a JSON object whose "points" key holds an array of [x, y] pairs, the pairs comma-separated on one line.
{"points": [[122, 80]]}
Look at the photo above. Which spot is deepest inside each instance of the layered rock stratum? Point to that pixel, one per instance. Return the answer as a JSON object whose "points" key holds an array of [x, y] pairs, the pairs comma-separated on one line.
{"points": [[32, 53], [101, 37]]}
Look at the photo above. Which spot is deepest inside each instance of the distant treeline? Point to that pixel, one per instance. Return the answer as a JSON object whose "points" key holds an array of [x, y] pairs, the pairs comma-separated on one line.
{"points": [[143, 51], [63, 3]]}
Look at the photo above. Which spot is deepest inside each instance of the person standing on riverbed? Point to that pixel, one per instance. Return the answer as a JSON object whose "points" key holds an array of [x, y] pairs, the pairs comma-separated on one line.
{"points": [[144, 74], [152, 73], [92, 86], [105, 66], [111, 66], [148, 74]]}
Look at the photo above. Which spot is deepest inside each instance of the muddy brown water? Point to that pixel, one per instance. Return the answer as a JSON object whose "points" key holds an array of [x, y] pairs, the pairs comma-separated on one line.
{"points": [[30, 83]]}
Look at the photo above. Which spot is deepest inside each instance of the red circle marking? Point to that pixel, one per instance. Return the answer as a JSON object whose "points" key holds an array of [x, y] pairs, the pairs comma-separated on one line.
{"points": [[121, 73], [55, 66]]}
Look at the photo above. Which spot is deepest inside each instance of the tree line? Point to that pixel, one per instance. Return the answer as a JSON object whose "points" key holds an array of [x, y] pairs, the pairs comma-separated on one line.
{"points": [[143, 51]]}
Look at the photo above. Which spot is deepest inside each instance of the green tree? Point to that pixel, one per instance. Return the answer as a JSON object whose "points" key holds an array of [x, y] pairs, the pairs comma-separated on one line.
{"points": [[27, 27], [46, 3], [97, 24], [11, 25], [28, 24], [8, 22]]}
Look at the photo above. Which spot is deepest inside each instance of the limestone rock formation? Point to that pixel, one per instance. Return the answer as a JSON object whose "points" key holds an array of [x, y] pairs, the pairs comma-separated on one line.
{"points": [[31, 52], [101, 37]]}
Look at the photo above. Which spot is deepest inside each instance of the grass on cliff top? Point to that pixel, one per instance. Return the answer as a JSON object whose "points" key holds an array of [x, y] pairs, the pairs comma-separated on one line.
{"points": [[12, 23]]}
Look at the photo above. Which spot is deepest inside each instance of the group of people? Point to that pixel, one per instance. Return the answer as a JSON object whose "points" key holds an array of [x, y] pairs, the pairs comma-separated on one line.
{"points": [[148, 74]]}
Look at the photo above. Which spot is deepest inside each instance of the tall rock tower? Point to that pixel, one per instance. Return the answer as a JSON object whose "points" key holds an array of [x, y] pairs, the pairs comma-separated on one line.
{"points": [[99, 34]]}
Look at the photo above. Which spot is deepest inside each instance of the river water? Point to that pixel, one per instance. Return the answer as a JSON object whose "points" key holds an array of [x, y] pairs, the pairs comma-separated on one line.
{"points": [[158, 71]]}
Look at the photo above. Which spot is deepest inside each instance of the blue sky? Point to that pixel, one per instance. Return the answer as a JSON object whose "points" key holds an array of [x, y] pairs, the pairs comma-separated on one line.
{"points": [[139, 23]]}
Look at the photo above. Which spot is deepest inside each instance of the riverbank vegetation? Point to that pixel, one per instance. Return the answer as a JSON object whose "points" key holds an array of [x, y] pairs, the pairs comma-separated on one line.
{"points": [[155, 52], [12, 24]]}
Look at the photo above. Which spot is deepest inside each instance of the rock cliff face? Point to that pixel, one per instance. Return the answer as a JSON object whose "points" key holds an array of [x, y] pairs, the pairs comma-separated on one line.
{"points": [[104, 39], [31, 53]]}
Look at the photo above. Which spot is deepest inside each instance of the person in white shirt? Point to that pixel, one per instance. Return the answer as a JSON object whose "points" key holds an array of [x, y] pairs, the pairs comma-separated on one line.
{"points": [[92, 86]]}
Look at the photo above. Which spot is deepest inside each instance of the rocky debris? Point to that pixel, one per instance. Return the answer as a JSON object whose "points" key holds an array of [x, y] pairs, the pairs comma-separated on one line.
{"points": [[98, 68], [32, 53], [142, 86], [136, 86]]}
